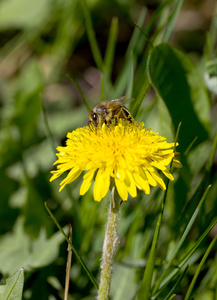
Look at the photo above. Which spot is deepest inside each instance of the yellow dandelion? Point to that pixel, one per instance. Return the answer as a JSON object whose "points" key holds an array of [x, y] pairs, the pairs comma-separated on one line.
{"points": [[127, 152]]}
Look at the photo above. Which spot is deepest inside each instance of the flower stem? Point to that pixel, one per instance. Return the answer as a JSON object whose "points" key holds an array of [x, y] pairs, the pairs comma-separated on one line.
{"points": [[109, 246]]}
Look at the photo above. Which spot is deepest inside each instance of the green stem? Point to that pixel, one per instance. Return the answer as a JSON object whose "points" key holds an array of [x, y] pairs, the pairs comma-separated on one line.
{"points": [[110, 242]]}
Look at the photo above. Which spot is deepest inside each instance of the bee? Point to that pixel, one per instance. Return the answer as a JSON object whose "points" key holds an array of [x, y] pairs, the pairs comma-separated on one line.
{"points": [[110, 111]]}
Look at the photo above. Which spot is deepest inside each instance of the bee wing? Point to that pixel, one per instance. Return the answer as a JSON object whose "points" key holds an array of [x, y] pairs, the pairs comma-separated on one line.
{"points": [[122, 100]]}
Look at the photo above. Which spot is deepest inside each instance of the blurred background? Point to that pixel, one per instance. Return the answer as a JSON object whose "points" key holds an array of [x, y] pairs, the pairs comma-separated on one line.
{"points": [[44, 47]]}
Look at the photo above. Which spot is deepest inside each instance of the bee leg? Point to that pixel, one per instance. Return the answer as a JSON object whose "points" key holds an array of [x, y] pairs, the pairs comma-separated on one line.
{"points": [[127, 115], [116, 119], [104, 120], [118, 116], [130, 119]]}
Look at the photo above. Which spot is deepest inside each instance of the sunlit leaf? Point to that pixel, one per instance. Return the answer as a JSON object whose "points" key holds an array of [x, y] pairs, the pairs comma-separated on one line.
{"points": [[178, 83], [13, 288], [18, 250]]}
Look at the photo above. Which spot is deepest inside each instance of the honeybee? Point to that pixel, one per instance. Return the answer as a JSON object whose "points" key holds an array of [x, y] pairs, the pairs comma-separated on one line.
{"points": [[110, 111]]}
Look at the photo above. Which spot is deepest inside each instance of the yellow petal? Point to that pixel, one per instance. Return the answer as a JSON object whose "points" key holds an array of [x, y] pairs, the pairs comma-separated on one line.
{"points": [[151, 180], [166, 161], [87, 180], [56, 174], [121, 188], [176, 164], [122, 163], [101, 185], [60, 170], [106, 181], [159, 180], [158, 165], [168, 174], [120, 173], [166, 152], [65, 166], [131, 186], [125, 151], [163, 169], [73, 174], [142, 184]]}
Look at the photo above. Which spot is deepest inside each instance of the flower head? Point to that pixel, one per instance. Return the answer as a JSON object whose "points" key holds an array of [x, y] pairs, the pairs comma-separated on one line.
{"points": [[126, 152]]}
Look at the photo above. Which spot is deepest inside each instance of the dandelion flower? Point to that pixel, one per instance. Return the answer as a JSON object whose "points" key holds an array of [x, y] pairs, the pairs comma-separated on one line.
{"points": [[126, 152]]}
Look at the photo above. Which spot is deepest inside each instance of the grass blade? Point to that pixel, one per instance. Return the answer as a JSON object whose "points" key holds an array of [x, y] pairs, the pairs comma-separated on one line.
{"points": [[73, 248], [80, 92], [122, 79], [110, 50], [185, 259], [131, 77], [168, 297], [92, 38], [47, 128], [136, 36], [212, 155], [190, 289], [184, 235], [142, 89], [172, 21], [145, 288], [102, 88], [212, 34], [68, 265], [147, 278]]}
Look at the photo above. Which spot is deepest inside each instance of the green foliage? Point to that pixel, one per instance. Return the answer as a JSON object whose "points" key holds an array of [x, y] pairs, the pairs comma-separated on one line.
{"points": [[59, 59], [13, 287], [179, 84], [18, 250]]}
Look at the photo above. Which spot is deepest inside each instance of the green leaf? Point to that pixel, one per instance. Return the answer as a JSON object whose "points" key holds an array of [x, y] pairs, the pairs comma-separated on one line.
{"points": [[34, 212], [7, 215], [178, 83], [24, 13], [27, 101], [13, 288], [210, 75], [44, 251], [123, 284], [142, 82], [18, 250], [31, 82]]}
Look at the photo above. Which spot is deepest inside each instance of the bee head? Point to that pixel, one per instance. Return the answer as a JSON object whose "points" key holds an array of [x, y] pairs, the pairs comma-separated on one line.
{"points": [[94, 118]]}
